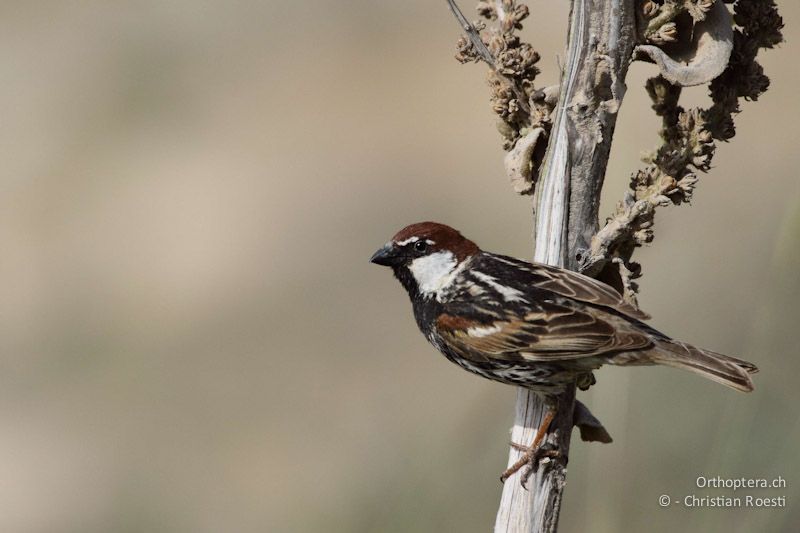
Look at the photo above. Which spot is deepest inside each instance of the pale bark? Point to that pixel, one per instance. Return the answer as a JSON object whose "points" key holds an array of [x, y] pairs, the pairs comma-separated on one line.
{"points": [[599, 49]]}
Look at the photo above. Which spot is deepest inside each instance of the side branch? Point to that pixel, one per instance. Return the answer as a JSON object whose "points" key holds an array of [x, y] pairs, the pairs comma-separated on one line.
{"points": [[473, 34], [688, 145]]}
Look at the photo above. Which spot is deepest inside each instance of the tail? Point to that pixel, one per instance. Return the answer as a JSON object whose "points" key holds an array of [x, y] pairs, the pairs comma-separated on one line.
{"points": [[734, 373]]}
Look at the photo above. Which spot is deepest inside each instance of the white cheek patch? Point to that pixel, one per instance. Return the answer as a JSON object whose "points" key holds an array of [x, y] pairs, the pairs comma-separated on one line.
{"points": [[483, 331], [433, 272], [509, 293]]}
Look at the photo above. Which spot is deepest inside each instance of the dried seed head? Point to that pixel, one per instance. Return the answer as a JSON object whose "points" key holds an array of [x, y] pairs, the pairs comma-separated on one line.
{"points": [[668, 184], [667, 33], [514, 67], [514, 17], [487, 10], [697, 9], [663, 94], [518, 62], [496, 44], [687, 185], [760, 20], [504, 100], [650, 9], [643, 236], [722, 126], [465, 51]]}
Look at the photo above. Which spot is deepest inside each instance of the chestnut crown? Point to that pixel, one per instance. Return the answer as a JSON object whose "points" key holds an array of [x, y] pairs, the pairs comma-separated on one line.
{"points": [[423, 239]]}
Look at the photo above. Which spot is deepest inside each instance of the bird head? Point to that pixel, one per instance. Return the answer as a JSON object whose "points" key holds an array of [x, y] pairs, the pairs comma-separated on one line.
{"points": [[425, 256]]}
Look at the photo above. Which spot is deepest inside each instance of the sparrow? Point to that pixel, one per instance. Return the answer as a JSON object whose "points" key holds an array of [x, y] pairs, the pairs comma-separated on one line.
{"points": [[532, 325]]}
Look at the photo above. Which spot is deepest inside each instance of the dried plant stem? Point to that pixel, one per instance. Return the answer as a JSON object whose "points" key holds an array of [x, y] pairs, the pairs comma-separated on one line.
{"points": [[558, 150], [703, 49], [601, 39]]}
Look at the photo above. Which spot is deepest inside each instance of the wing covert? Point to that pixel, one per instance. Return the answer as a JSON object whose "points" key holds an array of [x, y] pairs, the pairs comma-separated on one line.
{"points": [[565, 283], [551, 333]]}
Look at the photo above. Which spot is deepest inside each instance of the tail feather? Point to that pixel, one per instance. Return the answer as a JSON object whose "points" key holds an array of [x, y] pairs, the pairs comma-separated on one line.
{"points": [[730, 371]]}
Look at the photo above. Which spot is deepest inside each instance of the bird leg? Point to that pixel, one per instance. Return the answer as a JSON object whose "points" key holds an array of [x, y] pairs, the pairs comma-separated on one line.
{"points": [[533, 453]]}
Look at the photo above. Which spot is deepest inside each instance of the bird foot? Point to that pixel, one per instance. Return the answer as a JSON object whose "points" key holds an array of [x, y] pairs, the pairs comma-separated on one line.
{"points": [[530, 460]]}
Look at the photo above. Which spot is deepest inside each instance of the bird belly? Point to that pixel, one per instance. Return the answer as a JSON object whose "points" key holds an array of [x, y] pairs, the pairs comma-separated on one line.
{"points": [[543, 378]]}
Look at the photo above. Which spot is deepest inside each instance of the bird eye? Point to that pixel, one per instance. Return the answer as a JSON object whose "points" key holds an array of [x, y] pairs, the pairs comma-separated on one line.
{"points": [[420, 246]]}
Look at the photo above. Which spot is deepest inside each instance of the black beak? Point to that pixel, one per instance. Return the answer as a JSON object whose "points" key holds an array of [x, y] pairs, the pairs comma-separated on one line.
{"points": [[388, 255]]}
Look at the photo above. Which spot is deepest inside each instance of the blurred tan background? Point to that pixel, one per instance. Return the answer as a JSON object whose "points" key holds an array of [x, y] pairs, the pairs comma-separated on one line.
{"points": [[192, 339]]}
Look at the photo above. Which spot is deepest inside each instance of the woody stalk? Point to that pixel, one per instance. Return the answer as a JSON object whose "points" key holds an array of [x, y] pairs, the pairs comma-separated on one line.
{"points": [[558, 141]]}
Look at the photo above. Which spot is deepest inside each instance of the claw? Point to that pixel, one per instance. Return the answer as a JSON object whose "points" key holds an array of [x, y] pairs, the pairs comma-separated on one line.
{"points": [[519, 447], [534, 453], [531, 460], [537, 458]]}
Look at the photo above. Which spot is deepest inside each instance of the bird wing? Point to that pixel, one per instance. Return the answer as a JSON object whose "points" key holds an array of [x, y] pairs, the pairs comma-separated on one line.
{"points": [[574, 285], [562, 282], [550, 332]]}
